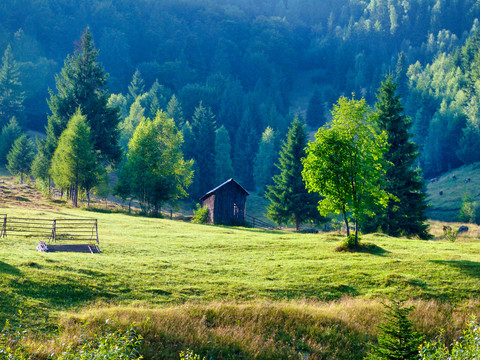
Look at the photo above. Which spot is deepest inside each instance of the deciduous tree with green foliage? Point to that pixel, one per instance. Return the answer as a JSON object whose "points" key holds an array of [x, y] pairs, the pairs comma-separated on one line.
{"points": [[345, 163], [11, 93], [289, 198], [406, 214], [74, 163], [21, 156], [81, 84], [155, 171]]}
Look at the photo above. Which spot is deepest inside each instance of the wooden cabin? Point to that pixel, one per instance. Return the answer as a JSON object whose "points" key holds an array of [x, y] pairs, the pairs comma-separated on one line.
{"points": [[227, 203]]}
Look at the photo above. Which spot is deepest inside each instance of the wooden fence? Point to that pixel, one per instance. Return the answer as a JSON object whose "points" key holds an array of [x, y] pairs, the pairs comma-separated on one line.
{"points": [[51, 230], [3, 228], [257, 223]]}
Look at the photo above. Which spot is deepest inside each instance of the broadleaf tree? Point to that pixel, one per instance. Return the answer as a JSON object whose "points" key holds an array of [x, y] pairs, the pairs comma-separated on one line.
{"points": [[74, 163], [288, 196], [155, 171], [345, 163]]}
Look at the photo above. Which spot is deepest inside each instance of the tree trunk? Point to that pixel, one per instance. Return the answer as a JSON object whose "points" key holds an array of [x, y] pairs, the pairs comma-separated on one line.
{"points": [[297, 224], [21, 178], [75, 195], [346, 222], [356, 231], [88, 198]]}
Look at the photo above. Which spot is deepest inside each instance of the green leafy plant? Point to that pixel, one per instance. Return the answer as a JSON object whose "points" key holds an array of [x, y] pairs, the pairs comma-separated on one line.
{"points": [[450, 234], [190, 355], [200, 215], [468, 347]]}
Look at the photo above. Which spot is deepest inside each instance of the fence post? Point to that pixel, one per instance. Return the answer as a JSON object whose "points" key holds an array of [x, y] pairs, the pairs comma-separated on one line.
{"points": [[96, 230], [3, 233], [54, 231]]}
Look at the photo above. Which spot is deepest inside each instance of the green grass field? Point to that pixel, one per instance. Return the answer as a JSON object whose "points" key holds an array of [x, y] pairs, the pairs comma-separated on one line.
{"points": [[447, 206], [246, 291]]}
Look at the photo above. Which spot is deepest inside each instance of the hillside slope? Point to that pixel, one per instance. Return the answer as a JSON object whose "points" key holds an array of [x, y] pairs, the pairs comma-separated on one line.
{"points": [[445, 195]]}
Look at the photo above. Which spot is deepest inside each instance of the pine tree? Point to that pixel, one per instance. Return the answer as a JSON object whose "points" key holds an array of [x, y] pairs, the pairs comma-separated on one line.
{"points": [[21, 156], [289, 198], [11, 93], [81, 84], [203, 125], [397, 339], [316, 109], [74, 163], [128, 126], [223, 160], [263, 168], [407, 214], [10, 133]]}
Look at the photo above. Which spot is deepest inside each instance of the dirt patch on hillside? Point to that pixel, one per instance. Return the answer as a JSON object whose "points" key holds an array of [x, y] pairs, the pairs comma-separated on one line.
{"points": [[13, 194]]}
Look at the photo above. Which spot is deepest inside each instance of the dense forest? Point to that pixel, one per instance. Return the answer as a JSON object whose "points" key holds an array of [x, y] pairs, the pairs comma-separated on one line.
{"points": [[229, 72]]}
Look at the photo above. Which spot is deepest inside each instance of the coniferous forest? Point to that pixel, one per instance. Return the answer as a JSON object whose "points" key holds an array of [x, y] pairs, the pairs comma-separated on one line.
{"points": [[234, 74]]}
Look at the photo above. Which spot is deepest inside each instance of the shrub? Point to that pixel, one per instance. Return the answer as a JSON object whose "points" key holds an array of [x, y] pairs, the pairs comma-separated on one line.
{"points": [[468, 347], [200, 215], [190, 355], [470, 210]]}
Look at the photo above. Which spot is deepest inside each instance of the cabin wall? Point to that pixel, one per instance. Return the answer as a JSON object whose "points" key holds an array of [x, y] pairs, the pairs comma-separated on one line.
{"points": [[210, 204], [230, 205]]}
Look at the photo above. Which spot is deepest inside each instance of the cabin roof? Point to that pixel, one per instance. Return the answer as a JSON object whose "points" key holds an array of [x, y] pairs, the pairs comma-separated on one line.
{"points": [[211, 192]]}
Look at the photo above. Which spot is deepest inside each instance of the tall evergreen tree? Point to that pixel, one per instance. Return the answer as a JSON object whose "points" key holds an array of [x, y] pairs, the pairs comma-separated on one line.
{"points": [[223, 160], [81, 84], [264, 164], [175, 112], [136, 87], [203, 125], [10, 133], [74, 163], [244, 151], [21, 156], [11, 93], [407, 214], [289, 198], [315, 110]]}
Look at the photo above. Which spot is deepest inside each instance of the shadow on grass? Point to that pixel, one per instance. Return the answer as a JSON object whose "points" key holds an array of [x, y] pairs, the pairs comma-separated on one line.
{"points": [[469, 267], [8, 269]]}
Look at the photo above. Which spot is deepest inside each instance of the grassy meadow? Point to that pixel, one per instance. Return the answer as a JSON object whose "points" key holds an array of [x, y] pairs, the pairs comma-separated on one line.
{"points": [[230, 293]]}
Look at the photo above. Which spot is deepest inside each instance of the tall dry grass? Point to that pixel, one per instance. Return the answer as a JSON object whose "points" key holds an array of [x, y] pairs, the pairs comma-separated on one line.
{"points": [[263, 330]]}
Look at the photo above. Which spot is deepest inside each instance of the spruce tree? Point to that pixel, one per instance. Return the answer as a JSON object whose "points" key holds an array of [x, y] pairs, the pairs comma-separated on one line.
{"points": [[223, 160], [315, 110], [289, 198], [74, 163], [82, 84], [21, 156], [10, 133], [263, 168], [174, 111], [11, 93], [405, 215], [203, 125], [397, 339], [136, 87], [245, 146]]}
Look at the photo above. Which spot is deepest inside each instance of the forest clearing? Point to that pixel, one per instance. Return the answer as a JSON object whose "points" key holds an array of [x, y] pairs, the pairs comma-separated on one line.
{"points": [[240, 292]]}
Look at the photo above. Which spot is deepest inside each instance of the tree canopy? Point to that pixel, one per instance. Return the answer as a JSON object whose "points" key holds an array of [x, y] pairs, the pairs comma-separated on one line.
{"points": [[345, 163]]}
